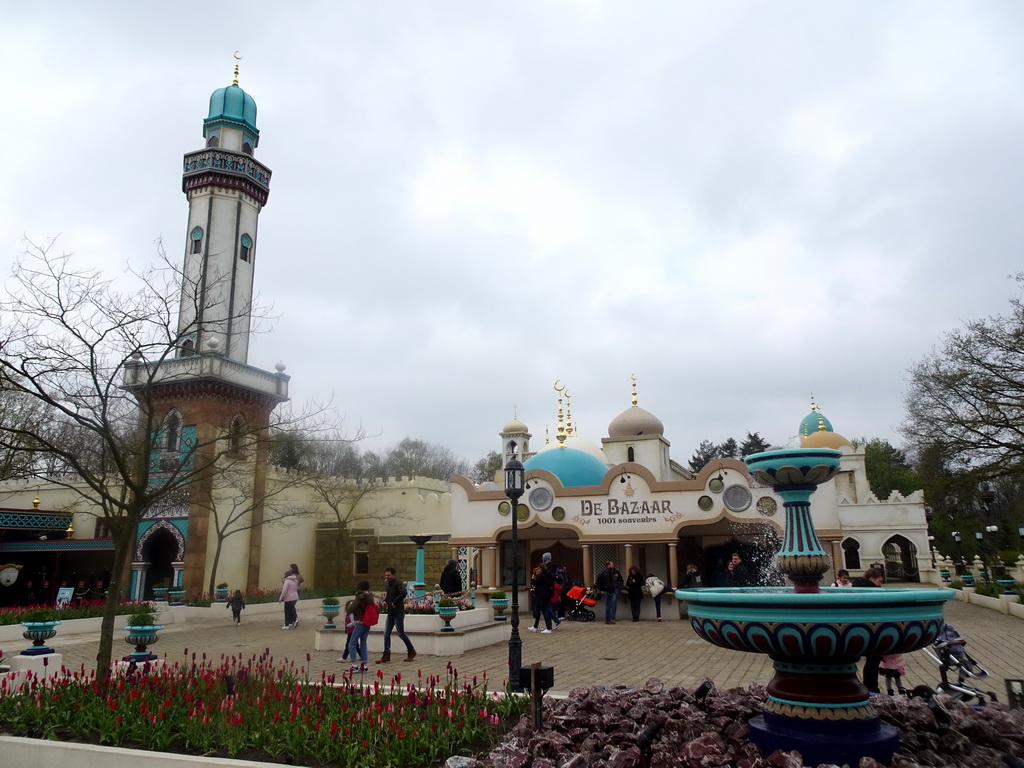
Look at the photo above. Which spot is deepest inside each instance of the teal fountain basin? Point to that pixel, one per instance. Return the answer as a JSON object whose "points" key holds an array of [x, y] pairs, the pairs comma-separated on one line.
{"points": [[817, 704]]}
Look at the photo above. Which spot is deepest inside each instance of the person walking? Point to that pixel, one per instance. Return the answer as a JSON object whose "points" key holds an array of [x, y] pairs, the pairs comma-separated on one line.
{"points": [[236, 603], [634, 591], [364, 614], [451, 580], [609, 582], [394, 601], [842, 578], [873, 577], [655, 586], [543, 590], [289, 596]]}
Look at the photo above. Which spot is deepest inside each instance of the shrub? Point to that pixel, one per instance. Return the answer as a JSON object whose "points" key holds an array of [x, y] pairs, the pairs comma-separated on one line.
{"points": [[330, 601], [222, 585], [142, 616], [498, 594], [39, 614]]}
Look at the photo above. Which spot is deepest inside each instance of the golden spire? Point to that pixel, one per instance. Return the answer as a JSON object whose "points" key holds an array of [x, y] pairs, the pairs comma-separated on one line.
{"points": [[238, 58], [547, 435], [633, 377], [560, 434], [821, 422], [35, 503], [568, 414]]}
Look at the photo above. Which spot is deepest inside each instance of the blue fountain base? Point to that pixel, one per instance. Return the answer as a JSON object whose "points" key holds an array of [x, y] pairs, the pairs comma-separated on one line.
{"points": [[845, 743], [38, 650]]}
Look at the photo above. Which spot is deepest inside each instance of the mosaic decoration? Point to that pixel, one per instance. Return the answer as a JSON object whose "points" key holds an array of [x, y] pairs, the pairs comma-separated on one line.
{"points": [[35, 521]]}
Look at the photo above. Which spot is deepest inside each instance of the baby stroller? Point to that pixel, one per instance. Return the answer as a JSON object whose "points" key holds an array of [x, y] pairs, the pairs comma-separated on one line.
{"points": [[582, 598], [949, 653]]}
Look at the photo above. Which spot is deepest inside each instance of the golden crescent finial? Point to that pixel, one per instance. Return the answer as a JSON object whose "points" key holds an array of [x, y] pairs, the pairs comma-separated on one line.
{"points": [[632, 376], [237, 55], [558, 385], [238, 58]]}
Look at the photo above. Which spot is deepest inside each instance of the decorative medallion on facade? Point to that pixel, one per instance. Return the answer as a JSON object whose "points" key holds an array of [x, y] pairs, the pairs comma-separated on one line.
{"points": [[737, 498], [541, 498], [767, 506]]}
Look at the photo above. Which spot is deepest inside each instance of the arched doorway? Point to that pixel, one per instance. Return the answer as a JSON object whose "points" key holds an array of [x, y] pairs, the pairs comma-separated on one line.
{"points": [[160, 550], [900, 559]]}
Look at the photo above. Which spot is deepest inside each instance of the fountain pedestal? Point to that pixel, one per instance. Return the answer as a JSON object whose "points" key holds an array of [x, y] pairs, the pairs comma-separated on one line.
{"points": [[816, 704]]}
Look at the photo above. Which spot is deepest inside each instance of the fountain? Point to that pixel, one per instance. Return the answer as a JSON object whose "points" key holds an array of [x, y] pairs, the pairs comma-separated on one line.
{"points": [[816, 703]]}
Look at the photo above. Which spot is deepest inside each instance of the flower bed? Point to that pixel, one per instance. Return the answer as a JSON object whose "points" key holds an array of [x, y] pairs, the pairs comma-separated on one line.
{"points": [[261, 710]]}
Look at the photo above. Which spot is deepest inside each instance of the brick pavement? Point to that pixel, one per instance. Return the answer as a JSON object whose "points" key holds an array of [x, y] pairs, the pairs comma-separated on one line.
{"points": [[582, 654]]}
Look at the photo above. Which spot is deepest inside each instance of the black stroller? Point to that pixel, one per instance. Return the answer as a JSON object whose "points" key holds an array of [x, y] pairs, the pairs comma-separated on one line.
{"points": [[949, 653]]}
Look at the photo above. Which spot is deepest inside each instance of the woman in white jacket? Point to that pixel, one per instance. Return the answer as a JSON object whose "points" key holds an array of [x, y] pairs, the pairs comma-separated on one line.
{"points": [[655, 586]]}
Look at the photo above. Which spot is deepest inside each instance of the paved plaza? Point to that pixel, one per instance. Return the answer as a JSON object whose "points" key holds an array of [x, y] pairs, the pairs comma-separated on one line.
{"points": [[594, 653]]}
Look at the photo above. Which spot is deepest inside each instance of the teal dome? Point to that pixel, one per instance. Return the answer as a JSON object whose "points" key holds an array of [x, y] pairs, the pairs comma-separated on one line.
{"points": [[571, 466], [232, 104], [812, 423]]}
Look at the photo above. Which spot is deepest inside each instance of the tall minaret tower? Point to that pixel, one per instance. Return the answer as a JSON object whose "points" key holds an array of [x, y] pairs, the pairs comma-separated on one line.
{"points": [[212, 406], [226, 189]]}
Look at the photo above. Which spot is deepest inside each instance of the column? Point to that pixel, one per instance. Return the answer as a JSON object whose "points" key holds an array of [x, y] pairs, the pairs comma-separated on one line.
{"points": [[138, 583], [492, 567], [587, 577], [673, 565], [629, 558]]}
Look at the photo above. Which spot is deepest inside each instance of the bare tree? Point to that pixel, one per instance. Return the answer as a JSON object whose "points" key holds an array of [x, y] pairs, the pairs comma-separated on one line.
{"points": [[968, 396], [93, 358]]}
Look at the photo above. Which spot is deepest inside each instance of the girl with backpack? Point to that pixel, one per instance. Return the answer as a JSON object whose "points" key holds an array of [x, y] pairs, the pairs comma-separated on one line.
{"points": [[365, 614]]}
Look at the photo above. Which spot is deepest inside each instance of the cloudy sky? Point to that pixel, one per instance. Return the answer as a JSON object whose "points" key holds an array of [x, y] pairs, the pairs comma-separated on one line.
{"points": [[739, 202]]}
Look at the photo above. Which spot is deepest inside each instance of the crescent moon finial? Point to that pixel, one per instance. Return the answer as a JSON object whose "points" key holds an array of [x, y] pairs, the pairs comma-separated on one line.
{"points": [[237, 55], [558, 385], [238, 58]]}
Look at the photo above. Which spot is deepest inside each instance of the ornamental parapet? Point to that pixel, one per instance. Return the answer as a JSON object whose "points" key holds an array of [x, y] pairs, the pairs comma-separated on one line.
{"points": [[223, 167], [273, 386]]}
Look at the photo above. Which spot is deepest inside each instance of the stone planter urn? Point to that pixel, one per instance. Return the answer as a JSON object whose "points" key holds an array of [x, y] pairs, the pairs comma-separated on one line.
{"points": [[176, 596], [945, 575], [1007, 585], [447, 613], [38, 632], [968, 579], [500, 605], [160, 594], [221, 593], [141, 637], [330, 612]]}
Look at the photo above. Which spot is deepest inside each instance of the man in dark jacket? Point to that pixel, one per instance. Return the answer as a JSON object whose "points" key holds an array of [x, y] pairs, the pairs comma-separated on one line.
{"points": [[394, 600], [873, 577], [739, 574], [610, 583], [451, 581]]}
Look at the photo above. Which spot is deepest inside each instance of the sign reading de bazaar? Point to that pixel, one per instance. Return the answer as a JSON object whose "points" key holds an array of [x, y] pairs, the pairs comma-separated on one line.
{"points": [[614, 511]]}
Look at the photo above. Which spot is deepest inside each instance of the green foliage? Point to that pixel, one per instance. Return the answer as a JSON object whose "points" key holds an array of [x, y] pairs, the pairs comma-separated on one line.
{"points": [[888, 469], [222, 585], [445, 602], [706, 453], [268, 712], [499, 594], [753, 443], [142, 616], [39, 614], [485, 469], [330, 601]]}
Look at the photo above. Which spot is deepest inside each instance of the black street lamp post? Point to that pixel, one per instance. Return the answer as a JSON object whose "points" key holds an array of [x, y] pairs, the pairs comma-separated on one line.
{"points": [[514, 481], [959, 551]]}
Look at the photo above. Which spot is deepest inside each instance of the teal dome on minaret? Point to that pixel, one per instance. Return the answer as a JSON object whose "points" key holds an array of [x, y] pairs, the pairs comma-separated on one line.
{"points": [[232, 105], [814, 421]]}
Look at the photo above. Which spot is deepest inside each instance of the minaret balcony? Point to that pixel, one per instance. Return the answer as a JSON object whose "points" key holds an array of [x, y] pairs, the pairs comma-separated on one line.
{"points": [[210, 368], [222, 167]]}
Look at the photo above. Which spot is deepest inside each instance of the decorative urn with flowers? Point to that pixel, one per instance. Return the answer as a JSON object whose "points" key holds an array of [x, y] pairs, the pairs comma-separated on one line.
{"points": [[142, 632], [40, 625], [221, 592], [329, 609], [499, 601], [446, 609]]}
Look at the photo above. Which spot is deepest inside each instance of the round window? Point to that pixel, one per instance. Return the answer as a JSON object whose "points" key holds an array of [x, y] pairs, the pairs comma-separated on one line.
{"points": [[705, 503], [541, 498], [737, 498]]}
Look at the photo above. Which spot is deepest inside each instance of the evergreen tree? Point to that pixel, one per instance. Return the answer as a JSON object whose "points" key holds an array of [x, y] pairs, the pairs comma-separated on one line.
{"points": [[753, 443], [706, 453]]}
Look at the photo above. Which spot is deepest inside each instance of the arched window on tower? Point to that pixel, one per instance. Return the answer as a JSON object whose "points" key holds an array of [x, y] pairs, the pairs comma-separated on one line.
{"points": [[235, 433], [197, 240], [213, 141], [188, 348], [630, 454], [512, 447], [246, 148], [246, 249], [172, 432]]}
